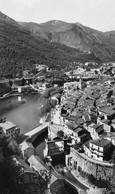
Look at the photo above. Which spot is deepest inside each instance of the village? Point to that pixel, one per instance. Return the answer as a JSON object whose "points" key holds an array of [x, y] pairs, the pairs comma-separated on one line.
{"points": [[79, 136]]}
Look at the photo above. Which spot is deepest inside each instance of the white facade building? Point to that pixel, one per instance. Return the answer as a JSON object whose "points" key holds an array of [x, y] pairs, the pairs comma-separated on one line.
{"points": [[9, 129]]}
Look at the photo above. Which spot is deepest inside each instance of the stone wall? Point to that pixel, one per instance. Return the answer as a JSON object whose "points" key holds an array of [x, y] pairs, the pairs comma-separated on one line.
{"points": [[97, 169]]}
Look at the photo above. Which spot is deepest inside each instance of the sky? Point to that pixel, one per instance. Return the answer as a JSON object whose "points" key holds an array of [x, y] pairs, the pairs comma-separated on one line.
{"points": [[97, 14]]}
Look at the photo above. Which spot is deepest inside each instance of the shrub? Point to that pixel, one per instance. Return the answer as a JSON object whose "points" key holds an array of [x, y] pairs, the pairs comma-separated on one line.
{"points": [[48, 106]]}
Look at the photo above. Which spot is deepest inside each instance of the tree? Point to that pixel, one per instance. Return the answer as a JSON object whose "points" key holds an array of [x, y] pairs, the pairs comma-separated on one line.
{"points": [[9, 148], [60, 133], [11, 179], [11, 176], [11, 172]]}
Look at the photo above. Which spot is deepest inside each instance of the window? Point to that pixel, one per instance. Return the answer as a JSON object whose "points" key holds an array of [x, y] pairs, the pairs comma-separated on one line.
{"points": [[7, 132], [12, 130]]}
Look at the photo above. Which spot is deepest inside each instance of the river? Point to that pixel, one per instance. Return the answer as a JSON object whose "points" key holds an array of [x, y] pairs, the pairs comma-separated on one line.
{"points": [[25, 114]]}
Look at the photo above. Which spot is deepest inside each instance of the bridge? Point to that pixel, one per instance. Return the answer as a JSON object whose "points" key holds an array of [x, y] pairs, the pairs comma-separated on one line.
{"points": [[66, 175], [34, 133]]}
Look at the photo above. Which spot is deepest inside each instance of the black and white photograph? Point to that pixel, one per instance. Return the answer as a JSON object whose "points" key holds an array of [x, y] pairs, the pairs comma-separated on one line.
{"points": [[57, 96]]}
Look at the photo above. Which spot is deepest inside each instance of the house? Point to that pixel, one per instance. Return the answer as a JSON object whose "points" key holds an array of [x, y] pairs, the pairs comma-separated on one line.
{"points": [[87, 119], [30, 176], [99, 148], [106, 125], [57, 97], [95, 130], [78, 71], [86, 149], [81, 134], [90, 74], [40, 67], [84, 137], [56, 116], [99, 119], [23, 89], [27, 149], [25, 73], [72, 86], [9, 129], [111, 137], [113, 124], [108, 112], [37, 165]]}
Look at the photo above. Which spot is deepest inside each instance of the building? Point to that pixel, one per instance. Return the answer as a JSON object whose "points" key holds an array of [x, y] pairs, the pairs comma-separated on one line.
{"points": [[68, 86], [38, 166], [35, 163], [23, 89], [99, 148], [86, 149], [40, 67], [56, 116], [27, 149], [95, 130], [9, 129], [111, 137], [30, 176], [108, 112], [106, 125], [113, 124]]}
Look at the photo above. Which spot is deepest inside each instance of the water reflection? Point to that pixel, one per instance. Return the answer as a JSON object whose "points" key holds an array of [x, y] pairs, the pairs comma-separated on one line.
{"points": [[25, 114]]}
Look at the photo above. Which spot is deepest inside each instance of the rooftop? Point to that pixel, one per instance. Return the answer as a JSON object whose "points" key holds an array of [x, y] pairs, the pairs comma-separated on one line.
{"points": [[26, 145], [36, 162], [105, 121], [7, 125], [100, 142], [25, 166]]}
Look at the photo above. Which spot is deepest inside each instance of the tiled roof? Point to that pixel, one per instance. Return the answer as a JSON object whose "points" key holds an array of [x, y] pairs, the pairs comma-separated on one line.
{"points": [[100, 142], [98, 128], [105, 121], [25, 166], [26, 145], [71, 126], [87, 144], [78, 130]]}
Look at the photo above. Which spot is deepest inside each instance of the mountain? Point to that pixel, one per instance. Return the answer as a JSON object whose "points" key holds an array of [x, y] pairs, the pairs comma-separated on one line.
{"points": [[20, 49], [111, 36], [77, 36]]}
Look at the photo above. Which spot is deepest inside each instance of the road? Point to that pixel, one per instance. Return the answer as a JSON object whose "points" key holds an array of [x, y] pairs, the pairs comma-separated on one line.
{"points": [[15, 79], [69, 177]]}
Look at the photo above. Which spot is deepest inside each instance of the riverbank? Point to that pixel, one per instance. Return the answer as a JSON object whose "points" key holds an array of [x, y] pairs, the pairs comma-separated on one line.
{"points": [[25, 115], [10, 94]]}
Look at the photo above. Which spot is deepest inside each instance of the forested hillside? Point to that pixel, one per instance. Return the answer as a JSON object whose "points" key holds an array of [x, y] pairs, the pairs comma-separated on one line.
{"points": [[77, 36], [19, 50]]}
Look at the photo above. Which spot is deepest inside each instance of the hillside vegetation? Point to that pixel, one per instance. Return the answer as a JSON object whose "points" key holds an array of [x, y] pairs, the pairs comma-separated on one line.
{"points": [[20, 49], [76, 36]]}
